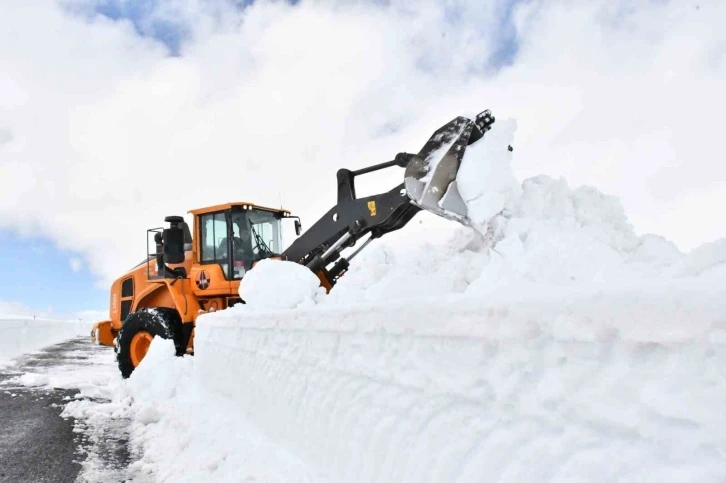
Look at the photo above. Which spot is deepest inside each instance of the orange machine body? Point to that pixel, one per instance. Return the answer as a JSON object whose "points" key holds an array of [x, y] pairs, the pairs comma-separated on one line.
{"points": [[205, 289]]}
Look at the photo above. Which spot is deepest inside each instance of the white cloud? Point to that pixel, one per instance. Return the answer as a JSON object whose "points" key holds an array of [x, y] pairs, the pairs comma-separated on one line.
{"points": [[10, 309], [91, 316], [75, 263], [107, 134]]}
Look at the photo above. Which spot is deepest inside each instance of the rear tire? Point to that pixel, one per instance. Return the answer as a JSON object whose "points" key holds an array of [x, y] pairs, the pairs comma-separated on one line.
{"points": [[139, 329]]}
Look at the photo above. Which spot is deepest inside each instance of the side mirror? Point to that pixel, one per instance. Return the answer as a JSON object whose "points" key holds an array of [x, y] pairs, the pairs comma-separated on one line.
{"points": [[298, 227]]}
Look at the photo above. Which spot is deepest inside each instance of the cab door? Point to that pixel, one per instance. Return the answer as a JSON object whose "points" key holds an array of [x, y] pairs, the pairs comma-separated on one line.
{"points": [[212, 275]]}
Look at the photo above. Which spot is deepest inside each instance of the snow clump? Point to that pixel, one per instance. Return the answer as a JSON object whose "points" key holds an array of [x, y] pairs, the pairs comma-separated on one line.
{"points": [[485, 179], [33, 380], [276, 284]]}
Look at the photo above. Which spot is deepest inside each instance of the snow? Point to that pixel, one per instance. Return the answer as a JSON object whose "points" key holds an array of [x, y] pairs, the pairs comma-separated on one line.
{"points": [[174, 419], [485, 178], [295, 285], [538, 236], [708, 260], [551, 343], [585, 387], [166, 416], [33, 380]]}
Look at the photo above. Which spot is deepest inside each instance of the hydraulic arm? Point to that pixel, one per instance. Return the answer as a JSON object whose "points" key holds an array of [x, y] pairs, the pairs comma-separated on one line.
{"points": [[429, 183]]}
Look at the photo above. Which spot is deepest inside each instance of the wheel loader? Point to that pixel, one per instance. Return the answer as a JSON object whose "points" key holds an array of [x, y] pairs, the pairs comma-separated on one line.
{"points": [[189, 272]]}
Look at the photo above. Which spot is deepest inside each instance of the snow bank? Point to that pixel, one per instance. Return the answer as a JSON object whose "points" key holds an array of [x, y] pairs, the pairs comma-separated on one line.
{"points": [[19, 336], [167, 418], [174, 419], [609, 386]]}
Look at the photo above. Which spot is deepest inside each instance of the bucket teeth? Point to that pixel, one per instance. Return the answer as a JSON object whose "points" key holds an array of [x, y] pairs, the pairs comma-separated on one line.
{"points": [[430, 177]]}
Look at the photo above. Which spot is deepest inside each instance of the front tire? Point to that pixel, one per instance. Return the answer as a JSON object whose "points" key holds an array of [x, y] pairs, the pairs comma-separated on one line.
{"points": [[137, 332]]}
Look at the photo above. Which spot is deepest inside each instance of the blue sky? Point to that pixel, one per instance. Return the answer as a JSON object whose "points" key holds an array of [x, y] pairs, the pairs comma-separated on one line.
{"points": [[168, 32], [39, 274], [173, 33]]}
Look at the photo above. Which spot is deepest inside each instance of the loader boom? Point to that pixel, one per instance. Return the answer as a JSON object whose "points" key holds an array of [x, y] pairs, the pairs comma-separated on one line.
{"points": [[430, 184], [350, 220]]}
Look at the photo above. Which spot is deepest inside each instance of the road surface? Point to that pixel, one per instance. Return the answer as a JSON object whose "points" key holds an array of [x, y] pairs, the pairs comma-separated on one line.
{"points": [[37, 444]]}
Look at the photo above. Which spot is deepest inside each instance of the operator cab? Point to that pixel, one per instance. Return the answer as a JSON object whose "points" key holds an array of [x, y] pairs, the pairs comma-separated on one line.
{"points": [[237, 235]]}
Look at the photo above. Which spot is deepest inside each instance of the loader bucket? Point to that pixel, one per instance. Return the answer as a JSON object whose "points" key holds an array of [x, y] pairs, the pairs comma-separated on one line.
{"points": [[430, 177]]}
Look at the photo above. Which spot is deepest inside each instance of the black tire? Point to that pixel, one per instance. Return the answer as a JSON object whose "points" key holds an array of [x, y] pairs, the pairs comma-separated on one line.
{"points": [[158, 322]]}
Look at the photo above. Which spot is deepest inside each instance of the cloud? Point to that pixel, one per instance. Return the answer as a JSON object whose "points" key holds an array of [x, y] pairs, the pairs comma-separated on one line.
{"points": [[75, 263], [10, 309], [5, 136], [90, 316], [109, 133]]}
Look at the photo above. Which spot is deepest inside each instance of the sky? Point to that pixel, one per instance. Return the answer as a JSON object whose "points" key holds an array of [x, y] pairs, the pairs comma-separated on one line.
{"points": [[116, 113]]}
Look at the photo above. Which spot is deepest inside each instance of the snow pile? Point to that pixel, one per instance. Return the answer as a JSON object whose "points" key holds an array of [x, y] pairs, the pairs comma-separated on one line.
{"points": [[20, 335], [541, 235], [706, 261], [548, 235], [294, 286], [552, 343], [555, 235]]}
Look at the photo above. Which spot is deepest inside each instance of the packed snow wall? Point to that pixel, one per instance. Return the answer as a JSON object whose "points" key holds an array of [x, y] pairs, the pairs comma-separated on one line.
{"points": [[21, 335], [609, 386]]}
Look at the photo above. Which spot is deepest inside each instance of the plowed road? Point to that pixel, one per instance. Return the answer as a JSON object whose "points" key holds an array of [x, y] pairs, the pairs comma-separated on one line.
{"points": [[38, 445]]}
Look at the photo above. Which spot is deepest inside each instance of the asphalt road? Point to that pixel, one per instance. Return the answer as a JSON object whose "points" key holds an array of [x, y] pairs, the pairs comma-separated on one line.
{"points": [[36, 444]]}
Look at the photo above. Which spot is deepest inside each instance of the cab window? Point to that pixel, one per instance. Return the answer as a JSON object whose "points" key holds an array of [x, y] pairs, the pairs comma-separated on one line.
{"points": [[214, 233], [268, 231], [256, 235]]}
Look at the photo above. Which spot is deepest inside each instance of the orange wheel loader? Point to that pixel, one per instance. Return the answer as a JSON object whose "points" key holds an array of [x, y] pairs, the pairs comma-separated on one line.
{"points": [[197, 271]]}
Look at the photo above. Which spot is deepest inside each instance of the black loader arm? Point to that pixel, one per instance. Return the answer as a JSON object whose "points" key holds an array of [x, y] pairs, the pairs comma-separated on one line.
{"points": [[429, 184], [351, 219]]}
